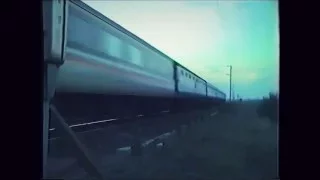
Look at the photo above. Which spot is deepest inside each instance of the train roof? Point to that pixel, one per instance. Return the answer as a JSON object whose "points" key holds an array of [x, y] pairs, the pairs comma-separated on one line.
{"points": [[96, 13]]}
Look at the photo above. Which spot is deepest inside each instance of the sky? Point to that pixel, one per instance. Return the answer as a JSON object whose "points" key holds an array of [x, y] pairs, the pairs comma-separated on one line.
{"points": [[206, 36]]}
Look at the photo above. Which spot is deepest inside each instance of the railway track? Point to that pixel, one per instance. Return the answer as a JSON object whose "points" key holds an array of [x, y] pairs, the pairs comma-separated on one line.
{"points": [[117, 138], [90, 126], [87, 126]]}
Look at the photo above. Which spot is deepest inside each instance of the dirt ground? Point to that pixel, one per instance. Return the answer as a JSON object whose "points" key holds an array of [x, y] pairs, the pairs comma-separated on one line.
{"points": [[229, 146]]}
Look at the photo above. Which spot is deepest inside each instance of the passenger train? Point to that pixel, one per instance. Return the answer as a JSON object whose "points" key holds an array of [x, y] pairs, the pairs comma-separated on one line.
{"points": [[107, 67]]}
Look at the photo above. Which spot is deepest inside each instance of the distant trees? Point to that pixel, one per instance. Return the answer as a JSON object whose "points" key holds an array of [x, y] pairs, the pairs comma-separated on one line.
{"points": [[268, 107]]}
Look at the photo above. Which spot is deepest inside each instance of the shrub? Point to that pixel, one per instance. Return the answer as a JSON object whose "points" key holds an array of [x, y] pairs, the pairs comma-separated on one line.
{"points": [[268, 107]]}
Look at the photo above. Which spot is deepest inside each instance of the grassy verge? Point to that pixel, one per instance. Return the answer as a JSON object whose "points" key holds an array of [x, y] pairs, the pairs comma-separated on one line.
{"points": [[237, 145], [224, 147]]}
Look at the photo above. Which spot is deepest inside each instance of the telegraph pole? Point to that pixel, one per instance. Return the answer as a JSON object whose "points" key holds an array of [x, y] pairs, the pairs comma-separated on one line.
{"points": [[230, 80], [233, 97], [233, 92]]}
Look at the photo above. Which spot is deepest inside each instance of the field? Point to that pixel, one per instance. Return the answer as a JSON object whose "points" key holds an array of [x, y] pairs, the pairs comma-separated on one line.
{"points": [[233, 145]]}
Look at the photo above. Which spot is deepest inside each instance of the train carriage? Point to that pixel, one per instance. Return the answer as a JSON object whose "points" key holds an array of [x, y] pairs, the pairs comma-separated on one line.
{"points": [[100, 59], [107, 70]]}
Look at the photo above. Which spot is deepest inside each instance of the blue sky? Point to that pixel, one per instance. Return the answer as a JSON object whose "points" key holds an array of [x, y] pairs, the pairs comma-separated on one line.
{"points": [[206, 36]]}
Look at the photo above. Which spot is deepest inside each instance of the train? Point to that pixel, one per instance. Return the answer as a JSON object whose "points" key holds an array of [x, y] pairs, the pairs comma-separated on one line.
{"points": [[107, 69]]}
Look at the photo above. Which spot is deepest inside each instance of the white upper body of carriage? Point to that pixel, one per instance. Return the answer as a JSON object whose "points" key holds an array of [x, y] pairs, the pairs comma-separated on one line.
{"points": [[214, 92], [102, 59], [189, 83]]}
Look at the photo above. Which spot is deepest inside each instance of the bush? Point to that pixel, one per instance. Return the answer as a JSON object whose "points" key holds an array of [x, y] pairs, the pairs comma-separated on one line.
{"points": [[269, 107]]}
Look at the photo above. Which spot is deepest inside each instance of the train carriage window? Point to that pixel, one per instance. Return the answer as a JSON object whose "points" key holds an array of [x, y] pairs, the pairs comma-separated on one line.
{"points": [[167, 66], [146, 60], [74, 23], [96, 39], [158, 64], [81, 32], [104, 39], [135, 55], [153, 63], [114, 46]]}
